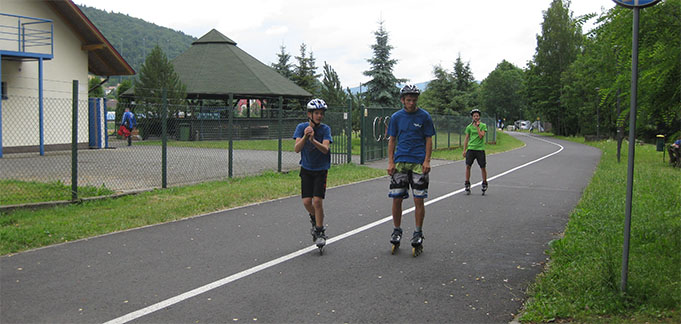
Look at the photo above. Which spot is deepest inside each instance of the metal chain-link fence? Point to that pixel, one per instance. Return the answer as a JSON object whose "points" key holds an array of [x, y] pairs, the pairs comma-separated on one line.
{"points": [[194, 144], [449, 131], [72, 147]]}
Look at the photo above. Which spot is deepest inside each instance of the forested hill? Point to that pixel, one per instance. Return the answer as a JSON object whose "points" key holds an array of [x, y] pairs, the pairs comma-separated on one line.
{"points": [[134, 38]]}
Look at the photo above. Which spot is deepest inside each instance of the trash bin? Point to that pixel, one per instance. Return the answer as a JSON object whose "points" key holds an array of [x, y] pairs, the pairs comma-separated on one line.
{"points": [[184, 132], [660, 143]]}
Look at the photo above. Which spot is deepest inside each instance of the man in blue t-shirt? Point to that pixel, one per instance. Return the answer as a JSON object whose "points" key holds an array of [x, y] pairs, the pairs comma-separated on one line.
{"points": [[312, 142], [409, 148]]}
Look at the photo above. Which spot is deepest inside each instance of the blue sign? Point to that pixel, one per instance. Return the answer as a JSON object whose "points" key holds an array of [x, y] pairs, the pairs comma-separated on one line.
{"points": [[636, 3]]}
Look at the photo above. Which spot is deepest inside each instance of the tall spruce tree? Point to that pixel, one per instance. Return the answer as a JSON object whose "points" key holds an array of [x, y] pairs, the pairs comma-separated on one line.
{"points": [[462, 75], [332, 90], [305, 73], [283, 66], [157, 74], [382, 89], [464, 86]]}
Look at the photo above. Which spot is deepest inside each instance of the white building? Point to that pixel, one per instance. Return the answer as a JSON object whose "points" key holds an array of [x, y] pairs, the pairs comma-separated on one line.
{"points": [[44, 46]]}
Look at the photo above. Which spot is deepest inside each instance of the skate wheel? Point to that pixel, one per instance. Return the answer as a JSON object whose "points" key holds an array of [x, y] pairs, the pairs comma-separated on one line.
{"points": [[394, 249], [416, 251]]}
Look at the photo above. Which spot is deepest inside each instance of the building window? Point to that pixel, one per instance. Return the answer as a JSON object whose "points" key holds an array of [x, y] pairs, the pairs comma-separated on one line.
{"points": [[4, 90]]}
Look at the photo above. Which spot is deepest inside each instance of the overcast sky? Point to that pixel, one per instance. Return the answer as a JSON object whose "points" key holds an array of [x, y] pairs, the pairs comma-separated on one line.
{"points": [[423, 33]]}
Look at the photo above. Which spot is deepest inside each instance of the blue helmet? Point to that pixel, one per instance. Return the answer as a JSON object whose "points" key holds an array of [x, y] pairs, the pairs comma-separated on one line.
{"points": [[315, 104]]}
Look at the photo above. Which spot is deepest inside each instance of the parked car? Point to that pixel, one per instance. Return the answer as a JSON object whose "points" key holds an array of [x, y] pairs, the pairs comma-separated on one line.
{"points": [[522, 124]]}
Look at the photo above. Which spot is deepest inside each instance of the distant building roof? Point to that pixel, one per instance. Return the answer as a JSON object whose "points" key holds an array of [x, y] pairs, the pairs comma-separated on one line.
{"points": [[103, 59], [214, 67]]}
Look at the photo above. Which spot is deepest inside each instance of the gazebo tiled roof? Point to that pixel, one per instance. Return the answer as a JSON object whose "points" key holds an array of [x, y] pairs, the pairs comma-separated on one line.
{"points": [[213, 67]]}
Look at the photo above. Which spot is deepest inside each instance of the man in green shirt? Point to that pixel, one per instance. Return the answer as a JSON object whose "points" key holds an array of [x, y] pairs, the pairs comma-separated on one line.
{"points": [[474, 149]]}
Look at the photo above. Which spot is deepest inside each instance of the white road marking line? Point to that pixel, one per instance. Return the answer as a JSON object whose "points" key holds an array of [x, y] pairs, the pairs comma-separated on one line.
{"points": [[216, 284]]}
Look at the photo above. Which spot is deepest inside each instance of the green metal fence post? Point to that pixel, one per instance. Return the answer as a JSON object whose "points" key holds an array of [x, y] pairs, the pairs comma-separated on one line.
{"points": [[348, 130], [74, 143], [435, 146], [164, 140], [449, 132], [279, 132], [362, 148], [230, 121]]}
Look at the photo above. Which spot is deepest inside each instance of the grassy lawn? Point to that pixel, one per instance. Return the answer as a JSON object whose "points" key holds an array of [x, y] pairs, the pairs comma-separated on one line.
{"points": [[581, 283], [23, 192], [443, 139], [27, 229]]}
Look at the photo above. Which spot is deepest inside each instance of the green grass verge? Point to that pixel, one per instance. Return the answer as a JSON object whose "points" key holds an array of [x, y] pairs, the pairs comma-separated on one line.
{"points": [[27, 229], [582, 281], [23, 192]]}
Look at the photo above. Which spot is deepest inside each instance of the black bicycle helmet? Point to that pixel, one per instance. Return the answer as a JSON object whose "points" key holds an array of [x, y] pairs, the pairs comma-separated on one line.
{"points": [[476, 111], [409, 89]]}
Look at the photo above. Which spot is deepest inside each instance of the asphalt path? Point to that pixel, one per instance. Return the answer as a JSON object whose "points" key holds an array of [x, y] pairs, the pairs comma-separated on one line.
{"points": [[257, 263]]}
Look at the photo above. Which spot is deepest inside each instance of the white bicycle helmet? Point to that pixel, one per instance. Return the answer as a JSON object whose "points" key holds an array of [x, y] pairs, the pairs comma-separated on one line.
{"points": [[409, 89], [316, 103]]}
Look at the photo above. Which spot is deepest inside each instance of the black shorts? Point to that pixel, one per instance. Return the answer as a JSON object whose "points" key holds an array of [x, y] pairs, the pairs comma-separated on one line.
{"points": [[476, 155], [313, 183]]}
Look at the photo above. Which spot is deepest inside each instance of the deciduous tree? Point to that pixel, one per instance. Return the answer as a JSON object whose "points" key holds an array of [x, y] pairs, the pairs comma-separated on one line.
{"points": [[501, 92], [558, 45]]}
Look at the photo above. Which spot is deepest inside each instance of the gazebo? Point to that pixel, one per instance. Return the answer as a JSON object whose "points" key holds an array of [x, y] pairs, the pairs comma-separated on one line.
{"points": [[214, 67]]}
